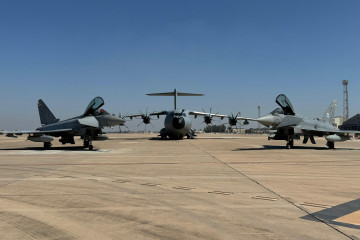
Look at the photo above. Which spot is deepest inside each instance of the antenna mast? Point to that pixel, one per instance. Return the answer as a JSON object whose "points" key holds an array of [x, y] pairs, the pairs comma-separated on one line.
{"points": [[345, 100]]}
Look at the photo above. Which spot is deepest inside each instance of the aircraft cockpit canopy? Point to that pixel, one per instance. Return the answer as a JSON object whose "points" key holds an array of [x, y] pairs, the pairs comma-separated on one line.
{"points": [[285, 104], [277, 111], [94, 105], [179, 114]]}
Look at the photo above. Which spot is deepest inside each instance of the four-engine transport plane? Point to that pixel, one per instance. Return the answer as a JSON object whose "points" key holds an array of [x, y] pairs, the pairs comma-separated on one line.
{"points": [[88, 125], [286, 125], [177, 122]]}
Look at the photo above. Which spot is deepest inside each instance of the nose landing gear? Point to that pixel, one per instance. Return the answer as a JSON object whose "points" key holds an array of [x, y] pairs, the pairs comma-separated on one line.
{"points": [[88, 143]]}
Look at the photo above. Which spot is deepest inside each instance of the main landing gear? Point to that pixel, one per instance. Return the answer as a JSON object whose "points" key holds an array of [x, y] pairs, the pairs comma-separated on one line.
{"points": [[290, 144], [331, 145], [47, 145]]}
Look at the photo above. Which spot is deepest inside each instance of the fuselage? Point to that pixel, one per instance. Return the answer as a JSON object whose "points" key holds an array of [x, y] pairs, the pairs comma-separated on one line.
{"points": [[81, 125], [275, 120], [177, 124]]}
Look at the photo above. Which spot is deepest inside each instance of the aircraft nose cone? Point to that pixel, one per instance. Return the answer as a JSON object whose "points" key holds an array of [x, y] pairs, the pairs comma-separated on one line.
{"points": [[114, 121], [267, 120], [178, 123]]}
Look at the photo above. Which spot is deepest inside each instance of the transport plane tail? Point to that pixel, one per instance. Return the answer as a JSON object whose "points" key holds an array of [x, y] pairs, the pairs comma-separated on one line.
{"points": [[175, 93], [330, 112]]}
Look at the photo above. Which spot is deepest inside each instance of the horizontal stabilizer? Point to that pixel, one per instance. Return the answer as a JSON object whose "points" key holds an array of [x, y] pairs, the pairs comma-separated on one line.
{"points": [[173, 94]]}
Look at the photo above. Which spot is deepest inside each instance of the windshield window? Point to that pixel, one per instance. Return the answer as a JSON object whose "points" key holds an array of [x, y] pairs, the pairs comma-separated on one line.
{"points": [[277, 111]]}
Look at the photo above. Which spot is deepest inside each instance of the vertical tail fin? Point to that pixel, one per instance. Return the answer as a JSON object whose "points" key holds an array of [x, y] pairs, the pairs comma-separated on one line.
{"points": [[330, 112], [46, 116]]}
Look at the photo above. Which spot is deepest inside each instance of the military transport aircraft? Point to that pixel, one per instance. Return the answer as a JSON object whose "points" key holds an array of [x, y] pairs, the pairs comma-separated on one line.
{"points": [[88, 125], [177, 122], [286, 125]]}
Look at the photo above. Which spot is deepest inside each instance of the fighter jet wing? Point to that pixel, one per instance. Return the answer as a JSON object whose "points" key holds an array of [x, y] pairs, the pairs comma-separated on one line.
{"points": [[36, 132], [207, 114]]}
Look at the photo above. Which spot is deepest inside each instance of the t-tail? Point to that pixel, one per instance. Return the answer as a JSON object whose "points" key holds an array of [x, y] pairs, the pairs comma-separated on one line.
{"points": [[175, 93], [46, 116], [330, 112]]}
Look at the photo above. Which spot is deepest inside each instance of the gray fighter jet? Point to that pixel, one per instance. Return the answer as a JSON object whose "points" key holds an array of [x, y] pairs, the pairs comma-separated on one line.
{"points": [[286, 125], [88, 125], [177, 122]]}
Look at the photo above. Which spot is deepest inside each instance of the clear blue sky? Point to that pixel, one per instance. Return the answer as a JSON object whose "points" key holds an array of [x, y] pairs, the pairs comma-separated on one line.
{"points": [[240, 54]]}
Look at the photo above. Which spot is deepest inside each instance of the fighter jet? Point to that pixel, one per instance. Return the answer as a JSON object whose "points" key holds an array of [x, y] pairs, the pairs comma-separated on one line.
{"points": [[286, 125], [177, 122], [88, 125]]}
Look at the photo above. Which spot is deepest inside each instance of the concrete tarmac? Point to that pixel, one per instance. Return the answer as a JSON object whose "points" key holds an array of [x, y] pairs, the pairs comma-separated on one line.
{"points": [[135, 186]]}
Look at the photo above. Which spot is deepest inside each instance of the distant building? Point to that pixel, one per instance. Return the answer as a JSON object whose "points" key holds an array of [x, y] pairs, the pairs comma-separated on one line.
{"points": [[239, 130], [338, 121], [352, 123]]}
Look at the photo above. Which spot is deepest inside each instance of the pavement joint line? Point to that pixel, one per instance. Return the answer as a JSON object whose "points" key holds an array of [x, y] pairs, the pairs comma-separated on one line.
{"points": [[265, 198], [221, 192], [184, 188], [315, 205], [150, 184], [275, 193]]}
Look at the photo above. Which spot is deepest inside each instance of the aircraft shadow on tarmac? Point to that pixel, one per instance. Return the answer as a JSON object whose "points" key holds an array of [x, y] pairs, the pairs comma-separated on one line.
{"points": [[272, 147], [341, 215], [76, 148], [159, 139]]}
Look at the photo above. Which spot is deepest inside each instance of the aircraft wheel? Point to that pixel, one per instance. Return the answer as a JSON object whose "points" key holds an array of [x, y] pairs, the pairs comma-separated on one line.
{"points": [[86, 144], [91, 147], [47, 145], [288, 146]]}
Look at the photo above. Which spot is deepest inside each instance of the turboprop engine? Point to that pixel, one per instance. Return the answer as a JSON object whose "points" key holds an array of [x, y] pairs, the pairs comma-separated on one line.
{"points": [[42, 138], [336, 138]]}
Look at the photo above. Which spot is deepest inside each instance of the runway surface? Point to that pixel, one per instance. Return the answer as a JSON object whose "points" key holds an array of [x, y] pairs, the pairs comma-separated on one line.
{"points": [[136, 186]]}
